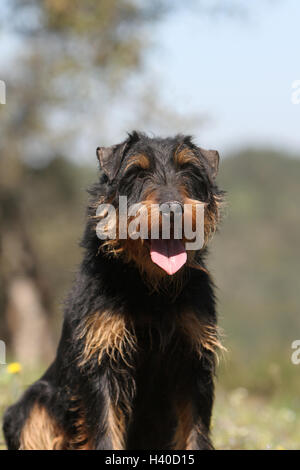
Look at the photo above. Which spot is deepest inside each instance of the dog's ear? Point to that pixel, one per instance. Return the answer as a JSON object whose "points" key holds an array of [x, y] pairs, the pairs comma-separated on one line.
{"points": [[110, 158], [213, 158], [107, 157]]}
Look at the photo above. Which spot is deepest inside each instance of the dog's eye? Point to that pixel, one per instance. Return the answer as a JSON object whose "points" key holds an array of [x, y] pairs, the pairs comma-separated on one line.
{"points": [[184, 166], [142, 173], [191, 169], [135, 171], [188, 166]]}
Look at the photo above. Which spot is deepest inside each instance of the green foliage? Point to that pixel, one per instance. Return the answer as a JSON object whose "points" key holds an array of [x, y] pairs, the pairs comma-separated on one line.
{"points": [[255, 255], [107, 33], [250, 422]]}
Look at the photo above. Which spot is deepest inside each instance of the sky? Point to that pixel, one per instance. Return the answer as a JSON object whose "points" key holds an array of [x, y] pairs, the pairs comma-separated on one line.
{"points": [[236, 71], [239, 71]]}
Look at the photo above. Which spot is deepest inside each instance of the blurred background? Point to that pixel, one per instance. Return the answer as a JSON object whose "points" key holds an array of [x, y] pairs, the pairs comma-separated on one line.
{"points": [[81, 73]]}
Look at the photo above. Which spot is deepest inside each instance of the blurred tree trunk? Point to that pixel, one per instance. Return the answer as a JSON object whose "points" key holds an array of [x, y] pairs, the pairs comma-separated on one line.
{"points": [[26, 309], [27, 322]]}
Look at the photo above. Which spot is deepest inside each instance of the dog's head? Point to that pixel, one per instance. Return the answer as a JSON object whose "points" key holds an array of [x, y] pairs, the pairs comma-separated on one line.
{"points": [[161, 202]]}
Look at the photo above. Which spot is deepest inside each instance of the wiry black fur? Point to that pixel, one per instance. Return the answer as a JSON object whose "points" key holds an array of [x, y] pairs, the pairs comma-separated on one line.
{"points": [[164, 369]]}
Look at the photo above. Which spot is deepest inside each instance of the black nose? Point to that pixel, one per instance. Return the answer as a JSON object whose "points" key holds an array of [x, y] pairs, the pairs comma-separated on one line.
{"points": [[171, 207]]}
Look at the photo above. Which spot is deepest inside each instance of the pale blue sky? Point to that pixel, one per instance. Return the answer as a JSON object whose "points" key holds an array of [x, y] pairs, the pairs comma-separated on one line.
{"points": [[239, 71], [236, 70]]}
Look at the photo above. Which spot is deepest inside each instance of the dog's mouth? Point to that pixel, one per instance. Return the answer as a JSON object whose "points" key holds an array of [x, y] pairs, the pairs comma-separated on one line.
{"points": [[169, 255]]}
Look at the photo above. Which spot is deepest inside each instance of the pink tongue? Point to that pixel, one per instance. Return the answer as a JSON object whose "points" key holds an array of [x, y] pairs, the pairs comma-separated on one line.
{"points": [[169, 255]]}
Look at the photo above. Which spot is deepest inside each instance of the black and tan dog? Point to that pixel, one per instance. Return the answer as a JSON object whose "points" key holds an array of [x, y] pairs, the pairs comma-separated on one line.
{"points": [[135, 363]]}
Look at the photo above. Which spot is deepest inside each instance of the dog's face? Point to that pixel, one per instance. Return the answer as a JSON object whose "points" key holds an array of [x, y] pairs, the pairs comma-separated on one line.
{"points": [[169, 178]]}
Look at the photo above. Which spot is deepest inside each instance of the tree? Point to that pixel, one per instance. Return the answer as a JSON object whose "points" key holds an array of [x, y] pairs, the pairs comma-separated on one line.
{"points": [[73, 58], [67, 51]]}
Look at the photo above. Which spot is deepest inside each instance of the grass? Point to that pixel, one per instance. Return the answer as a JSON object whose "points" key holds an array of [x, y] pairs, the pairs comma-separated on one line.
{"points": [[242, 419]]}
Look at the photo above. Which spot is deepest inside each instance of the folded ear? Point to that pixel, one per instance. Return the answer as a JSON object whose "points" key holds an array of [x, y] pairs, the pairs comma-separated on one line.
{"points": [[108, 159], [212, 157]]}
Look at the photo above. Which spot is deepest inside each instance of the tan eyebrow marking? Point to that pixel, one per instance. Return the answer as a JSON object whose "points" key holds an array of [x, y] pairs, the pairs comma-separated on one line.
{"points": [[139, 160], [184, 155]]}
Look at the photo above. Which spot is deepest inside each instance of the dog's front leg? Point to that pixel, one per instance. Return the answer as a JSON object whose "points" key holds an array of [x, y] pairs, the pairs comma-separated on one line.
{"points": [[199, 437], [191, 433], [107, 400]]}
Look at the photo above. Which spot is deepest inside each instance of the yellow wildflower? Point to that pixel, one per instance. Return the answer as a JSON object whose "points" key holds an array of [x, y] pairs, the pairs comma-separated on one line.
{"points": [[14, 368]]}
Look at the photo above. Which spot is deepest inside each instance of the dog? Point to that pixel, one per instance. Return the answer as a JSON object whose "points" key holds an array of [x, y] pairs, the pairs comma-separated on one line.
{"points": [[135, 365]]}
